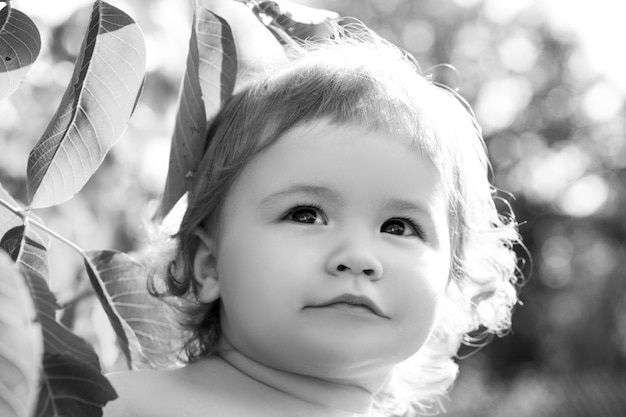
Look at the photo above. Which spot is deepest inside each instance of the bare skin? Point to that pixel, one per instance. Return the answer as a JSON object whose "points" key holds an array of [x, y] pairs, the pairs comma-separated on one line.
{"points": [[209, 387]]}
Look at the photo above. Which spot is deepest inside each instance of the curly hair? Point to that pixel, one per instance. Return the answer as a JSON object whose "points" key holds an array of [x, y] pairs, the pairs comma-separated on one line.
{"points": [[372, 83]]}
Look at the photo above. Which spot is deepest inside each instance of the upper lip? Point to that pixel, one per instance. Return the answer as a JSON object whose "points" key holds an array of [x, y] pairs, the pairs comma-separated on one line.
{"points": [[354, 299]]}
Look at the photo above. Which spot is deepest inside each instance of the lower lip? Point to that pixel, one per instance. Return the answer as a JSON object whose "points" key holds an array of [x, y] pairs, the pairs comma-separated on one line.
{"points": [[352, 309]]}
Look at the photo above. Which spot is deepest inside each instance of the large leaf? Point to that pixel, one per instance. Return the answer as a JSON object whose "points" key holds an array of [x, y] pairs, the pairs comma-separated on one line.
{"points": [[147, 334], [19, 48], [27, 250], [94, 111], [227, 40], [21, 343], [209, 81], [71, 389]]}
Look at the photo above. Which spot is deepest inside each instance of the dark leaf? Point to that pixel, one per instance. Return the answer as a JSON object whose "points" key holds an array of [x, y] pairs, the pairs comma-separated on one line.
{"points": [[94, 110], [21, 343], [26, 247], [209, 81], [19, 48], [69, 388], [215, 66], [147, 333]]}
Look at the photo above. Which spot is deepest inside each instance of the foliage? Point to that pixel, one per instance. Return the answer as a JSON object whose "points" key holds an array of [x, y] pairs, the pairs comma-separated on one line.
{"points": [[91, 117], [21, 346], [94, 111], [16, 57]]}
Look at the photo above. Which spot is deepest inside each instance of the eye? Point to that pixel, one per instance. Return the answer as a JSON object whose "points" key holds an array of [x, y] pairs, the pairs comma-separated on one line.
{"points": [[401, 227], [306, 214]]}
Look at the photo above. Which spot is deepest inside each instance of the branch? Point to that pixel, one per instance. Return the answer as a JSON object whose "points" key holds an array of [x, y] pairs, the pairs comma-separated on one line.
{"points": [[25, 216]]}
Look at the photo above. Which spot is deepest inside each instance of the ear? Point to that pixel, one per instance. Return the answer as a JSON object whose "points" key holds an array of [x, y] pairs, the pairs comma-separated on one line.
{"points": [[205, 268]]}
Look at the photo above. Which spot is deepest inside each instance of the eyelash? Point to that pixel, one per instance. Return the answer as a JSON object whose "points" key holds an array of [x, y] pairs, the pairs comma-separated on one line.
{"points": [[412, 224]]}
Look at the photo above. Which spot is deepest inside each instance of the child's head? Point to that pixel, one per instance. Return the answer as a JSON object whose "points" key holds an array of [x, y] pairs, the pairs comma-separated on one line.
{"points": [[362, 169]]}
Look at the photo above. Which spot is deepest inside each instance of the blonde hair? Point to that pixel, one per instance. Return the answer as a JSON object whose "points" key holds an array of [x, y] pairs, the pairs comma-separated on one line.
{"points": [[365, 80]]}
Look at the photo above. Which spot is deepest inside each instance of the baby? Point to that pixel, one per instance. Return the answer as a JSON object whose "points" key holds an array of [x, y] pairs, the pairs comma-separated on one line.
{"points": [[341, 241]]}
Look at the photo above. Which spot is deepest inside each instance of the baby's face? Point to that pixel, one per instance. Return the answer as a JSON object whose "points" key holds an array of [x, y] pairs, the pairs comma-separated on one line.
{"points": [[334, 252]]}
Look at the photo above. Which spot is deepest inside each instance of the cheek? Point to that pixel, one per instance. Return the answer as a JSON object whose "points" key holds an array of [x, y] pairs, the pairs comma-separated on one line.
{"points": [[421, 304], [262, 294], [252, 276], [241, 273], [420, 294], [248, 296]]}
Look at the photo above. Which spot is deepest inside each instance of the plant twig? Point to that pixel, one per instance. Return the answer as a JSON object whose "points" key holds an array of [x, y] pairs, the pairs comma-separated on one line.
{"points": [[24, 215], [18, 211], [57, 236]]}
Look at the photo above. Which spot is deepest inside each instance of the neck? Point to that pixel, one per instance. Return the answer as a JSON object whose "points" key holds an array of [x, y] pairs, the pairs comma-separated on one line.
{"points": [[337, 398]]}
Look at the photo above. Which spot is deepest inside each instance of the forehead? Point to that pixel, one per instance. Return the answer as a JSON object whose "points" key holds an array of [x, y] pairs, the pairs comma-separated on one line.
{"points": [[343, 158], [426, 133]]}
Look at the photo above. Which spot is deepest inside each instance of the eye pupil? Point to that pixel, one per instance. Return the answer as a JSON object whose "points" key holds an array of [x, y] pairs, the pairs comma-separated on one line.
{"points": [[306, 215], [394, 227]]}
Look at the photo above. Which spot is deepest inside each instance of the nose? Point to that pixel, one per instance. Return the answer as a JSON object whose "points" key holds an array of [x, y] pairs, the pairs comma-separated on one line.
{"points": [[355, 258]]}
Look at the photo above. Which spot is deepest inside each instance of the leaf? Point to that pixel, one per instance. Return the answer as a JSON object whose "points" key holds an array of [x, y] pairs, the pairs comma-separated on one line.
{"points": [[27, 250], [227, 41], [257, 49], [94, 110], [69, 388], [20, 44], [297, 21], [209, 81], [147, 333], [21, 343]]}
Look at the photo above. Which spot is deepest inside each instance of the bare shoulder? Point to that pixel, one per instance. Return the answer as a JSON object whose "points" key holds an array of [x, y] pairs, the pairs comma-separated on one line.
{"points": [[144, 393], [190, 391]]}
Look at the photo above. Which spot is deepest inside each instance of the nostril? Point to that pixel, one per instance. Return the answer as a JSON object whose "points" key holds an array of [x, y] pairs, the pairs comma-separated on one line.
{"points": [[367, 272]]}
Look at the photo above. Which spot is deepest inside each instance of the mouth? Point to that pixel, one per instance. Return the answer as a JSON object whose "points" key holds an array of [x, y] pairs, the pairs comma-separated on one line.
{"points": [[352, 302]]}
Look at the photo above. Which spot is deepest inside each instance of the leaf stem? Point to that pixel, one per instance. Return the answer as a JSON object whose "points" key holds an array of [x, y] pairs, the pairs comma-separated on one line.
{"points": [[18, 211], [24, 215], [57, 236]]}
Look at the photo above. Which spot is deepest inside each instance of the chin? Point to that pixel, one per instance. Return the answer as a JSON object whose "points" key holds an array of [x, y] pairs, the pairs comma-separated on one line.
{"points": [[339, 360]]}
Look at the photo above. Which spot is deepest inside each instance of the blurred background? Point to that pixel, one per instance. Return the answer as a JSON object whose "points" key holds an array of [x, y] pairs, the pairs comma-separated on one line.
{"points": [[547, 79]]}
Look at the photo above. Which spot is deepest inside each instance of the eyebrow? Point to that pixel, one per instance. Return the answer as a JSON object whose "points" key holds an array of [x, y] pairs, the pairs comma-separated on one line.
{"points": [[406, 205], [316, 191], [327, 194]]}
